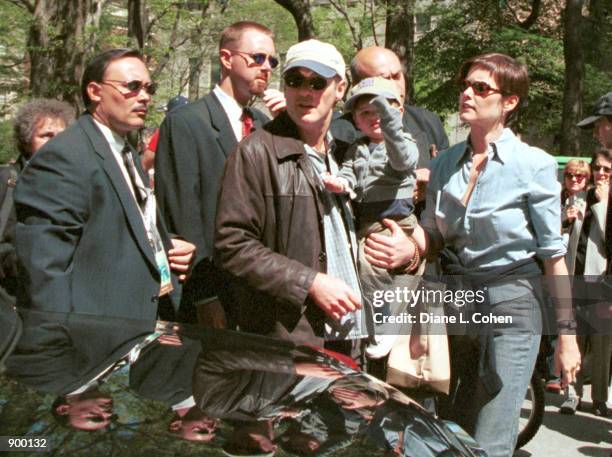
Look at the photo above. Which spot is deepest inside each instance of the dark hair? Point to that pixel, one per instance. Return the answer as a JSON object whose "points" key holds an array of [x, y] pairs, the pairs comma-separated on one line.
{"points": [[96, 68], [29, 115], [511, 77], [603, 152], [233, 33]]}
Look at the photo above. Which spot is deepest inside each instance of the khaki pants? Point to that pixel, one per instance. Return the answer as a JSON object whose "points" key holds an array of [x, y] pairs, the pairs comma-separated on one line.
{"points": [[375, 280]]}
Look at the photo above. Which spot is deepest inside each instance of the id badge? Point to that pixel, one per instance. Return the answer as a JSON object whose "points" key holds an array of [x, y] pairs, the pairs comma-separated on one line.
{"points": [[164, 273]]}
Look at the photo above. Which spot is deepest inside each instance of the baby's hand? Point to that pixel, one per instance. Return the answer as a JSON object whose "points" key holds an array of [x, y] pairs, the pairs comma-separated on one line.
{"points": [[334, 184], [274, 101]]}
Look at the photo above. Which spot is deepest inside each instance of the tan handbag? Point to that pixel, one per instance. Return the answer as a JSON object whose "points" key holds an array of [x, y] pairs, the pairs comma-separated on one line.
{"points": [[421, 359]]}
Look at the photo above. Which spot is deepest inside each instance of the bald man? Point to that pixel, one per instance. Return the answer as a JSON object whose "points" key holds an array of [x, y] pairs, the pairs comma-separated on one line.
{"points": [[424, 126]]}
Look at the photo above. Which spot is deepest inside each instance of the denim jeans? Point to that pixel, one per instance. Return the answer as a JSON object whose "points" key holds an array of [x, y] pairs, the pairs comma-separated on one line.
{"points": [[494, 421]]}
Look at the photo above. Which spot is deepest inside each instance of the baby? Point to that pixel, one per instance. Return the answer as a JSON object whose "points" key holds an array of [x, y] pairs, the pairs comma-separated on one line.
{"points": [[379, 175]]}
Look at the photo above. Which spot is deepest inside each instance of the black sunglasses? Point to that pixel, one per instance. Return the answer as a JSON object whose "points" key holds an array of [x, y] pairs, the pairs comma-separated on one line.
{"points": [[296, 80], [134, 87], [601, 168], [480, 88], [259, 58]]}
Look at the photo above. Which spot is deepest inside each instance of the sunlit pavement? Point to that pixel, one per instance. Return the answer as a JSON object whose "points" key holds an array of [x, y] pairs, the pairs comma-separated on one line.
{"points": [[582, 434]]}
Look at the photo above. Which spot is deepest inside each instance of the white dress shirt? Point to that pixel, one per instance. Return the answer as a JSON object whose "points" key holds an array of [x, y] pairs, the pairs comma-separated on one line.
{"points": [[232, 109], [117, 143]]}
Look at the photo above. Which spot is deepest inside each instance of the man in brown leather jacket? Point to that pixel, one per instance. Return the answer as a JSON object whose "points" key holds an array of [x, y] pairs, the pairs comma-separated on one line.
{"points": [[288, 243]]}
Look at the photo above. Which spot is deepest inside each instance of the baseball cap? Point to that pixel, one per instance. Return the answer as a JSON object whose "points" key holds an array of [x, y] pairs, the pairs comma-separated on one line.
{"points": [[322, 58], [603, 107], [175, 102], [371, 86]]}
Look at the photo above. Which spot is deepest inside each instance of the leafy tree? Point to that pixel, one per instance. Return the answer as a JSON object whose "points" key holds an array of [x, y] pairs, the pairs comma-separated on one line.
{"points": [[300, 10]]}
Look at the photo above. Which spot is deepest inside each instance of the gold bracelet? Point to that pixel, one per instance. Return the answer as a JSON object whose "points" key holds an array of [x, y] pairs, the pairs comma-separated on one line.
{"points": [[414, 263]]}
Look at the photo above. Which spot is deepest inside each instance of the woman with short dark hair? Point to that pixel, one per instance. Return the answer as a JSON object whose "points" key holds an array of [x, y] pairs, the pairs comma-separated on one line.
{"points": [[493, 208]]}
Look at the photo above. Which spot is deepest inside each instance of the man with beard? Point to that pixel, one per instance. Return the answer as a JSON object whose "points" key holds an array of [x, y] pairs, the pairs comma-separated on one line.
{"points": [[194, 143]]}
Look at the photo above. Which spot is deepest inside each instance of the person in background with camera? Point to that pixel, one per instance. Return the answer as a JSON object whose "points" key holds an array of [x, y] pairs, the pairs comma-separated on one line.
{"points": [[576, 177], [493, 207], [589, 261]]}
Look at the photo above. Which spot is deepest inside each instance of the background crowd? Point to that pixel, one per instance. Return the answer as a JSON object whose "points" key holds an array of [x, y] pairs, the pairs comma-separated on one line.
{"points": [[246, 231]]}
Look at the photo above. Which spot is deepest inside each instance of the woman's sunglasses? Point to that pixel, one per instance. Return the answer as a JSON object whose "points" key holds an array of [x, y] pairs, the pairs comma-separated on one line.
{"points": [[577, 176], [480, 88], [296, 80]]}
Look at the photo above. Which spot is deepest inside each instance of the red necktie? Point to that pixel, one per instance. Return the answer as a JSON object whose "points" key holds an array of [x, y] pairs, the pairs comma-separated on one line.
{"points": [[247, 122]]}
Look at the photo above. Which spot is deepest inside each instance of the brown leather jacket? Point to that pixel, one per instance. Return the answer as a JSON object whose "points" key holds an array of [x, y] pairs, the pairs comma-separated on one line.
{"points": [[269, 229]]}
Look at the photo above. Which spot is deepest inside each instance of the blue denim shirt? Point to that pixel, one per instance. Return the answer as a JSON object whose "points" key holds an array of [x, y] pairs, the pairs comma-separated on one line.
{"points": [[514, 211]]}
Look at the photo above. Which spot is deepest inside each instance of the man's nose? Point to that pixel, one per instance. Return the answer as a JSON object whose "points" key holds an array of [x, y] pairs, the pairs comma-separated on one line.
{"points": [[144, 96]]}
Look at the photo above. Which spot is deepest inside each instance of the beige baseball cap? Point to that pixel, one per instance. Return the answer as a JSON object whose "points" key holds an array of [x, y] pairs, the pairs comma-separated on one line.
{"points": [[322, 58]]}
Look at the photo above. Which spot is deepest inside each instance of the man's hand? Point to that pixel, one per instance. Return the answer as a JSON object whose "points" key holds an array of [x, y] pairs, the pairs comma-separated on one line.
{"points": [[181, 257], [422, 174], [389, 251], [354, 399], [316, 370], [211, 314], [420, 189], [333, 296], [274, 101]]}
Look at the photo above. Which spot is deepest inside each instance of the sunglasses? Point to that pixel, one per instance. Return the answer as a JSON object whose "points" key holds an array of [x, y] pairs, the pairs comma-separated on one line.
{"points": [[295, 80], [602, 168], [577, 176], [134, 87], [480, 88], [259, 58]]}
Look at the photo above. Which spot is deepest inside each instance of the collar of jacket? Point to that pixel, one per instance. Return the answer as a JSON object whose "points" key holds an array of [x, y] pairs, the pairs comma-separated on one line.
{"points": [[282, 126]]}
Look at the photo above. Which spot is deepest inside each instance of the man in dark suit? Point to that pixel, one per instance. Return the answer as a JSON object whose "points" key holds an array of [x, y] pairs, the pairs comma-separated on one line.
{"points": [[87, 234], [424, 126], [195, 141]]}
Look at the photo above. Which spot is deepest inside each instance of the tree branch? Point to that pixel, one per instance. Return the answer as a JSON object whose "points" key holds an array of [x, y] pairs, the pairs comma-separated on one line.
{"points": [[373, 23], [23, 4], [357, 42], [533, 16]]}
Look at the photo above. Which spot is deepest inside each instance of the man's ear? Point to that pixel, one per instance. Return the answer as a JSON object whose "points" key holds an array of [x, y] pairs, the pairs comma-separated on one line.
{"points": [[93, 91], [62, 409], [225, 58], [340, 89]]}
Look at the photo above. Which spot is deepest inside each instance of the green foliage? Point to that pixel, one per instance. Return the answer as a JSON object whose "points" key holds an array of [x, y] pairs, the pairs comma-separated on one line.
{"points": [[474, 27], [8, 151]]}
